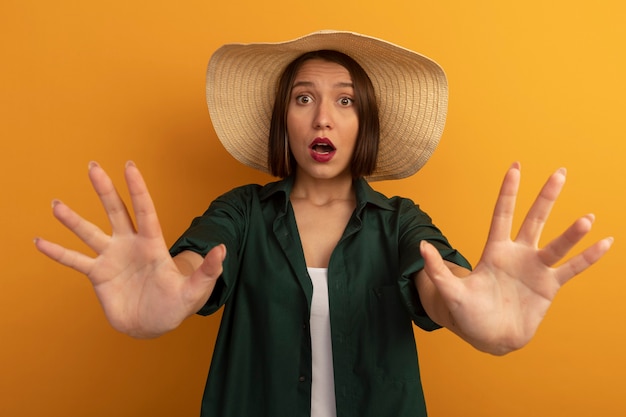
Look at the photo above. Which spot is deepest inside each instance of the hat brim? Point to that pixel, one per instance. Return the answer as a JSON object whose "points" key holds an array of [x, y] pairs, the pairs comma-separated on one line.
{"points": [[411, 90]]}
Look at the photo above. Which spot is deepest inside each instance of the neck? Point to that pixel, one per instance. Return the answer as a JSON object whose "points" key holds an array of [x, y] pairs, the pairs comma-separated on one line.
{"points": [[322, 191]]}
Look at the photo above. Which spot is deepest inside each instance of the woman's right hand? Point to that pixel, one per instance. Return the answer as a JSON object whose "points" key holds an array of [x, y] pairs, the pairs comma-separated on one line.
{"points": [[143, 291]]}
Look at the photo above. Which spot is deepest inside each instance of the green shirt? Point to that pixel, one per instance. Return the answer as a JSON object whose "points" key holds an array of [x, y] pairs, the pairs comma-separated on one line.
{"points": [[261, 364]]}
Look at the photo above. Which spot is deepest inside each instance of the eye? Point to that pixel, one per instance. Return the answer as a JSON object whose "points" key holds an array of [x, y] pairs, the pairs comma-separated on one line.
{"points": [[302, 99], [345, 101]]}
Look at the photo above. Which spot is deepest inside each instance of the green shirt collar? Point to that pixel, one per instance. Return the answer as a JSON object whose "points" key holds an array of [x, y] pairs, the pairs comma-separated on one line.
{"points": [[365, 194]]}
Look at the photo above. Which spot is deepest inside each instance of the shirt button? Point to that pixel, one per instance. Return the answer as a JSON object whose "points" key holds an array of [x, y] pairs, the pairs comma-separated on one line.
{"points": [[302, 379]]}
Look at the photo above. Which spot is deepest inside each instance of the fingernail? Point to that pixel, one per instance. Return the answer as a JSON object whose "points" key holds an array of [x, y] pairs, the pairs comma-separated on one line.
{"points": [[55, 202], [92, 164], [562, 171], [130, 164]]}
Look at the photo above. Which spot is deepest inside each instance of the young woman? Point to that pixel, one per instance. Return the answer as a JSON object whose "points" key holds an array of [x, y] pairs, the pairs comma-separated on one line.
{"points": [[321, 276]]}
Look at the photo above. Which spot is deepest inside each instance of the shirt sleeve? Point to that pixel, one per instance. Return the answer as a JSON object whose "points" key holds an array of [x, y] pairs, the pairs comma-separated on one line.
{"points": [[415, 227], [225, 221]]}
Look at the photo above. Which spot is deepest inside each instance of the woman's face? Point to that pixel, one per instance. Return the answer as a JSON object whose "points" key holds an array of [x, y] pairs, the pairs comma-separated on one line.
{"points": [[322, 120]]}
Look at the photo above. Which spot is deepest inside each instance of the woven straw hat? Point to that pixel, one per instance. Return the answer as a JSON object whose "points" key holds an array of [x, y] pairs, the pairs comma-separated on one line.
{"points": [[411, 90]]}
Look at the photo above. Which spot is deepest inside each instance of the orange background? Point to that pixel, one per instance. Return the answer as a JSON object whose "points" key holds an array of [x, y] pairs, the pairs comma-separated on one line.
{"points": [[535, 81]]}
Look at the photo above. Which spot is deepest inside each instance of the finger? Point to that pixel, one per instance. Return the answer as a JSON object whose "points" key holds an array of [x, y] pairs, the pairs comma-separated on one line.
{"points": [[530, 231], [89, 233], [145, 213], [111, 200], [582, 261], [203, 280], [446, 283], [211, 267], [556, 250], [502, 220], [70, 258]]}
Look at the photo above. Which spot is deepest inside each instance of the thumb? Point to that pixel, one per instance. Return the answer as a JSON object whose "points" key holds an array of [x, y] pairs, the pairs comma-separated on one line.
{"points": [[439, 274], [433, 262], [202, 282], [211, 267]]}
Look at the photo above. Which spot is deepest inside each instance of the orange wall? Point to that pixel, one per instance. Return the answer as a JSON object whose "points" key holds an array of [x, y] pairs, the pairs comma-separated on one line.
{"points": [[535, 81]]}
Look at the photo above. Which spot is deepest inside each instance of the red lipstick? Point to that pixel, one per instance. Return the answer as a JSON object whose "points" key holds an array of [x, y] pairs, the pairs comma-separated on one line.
{"points": [[322, 149]]}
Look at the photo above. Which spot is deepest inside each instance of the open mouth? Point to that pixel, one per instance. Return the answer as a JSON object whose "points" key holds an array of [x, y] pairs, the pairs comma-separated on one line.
{"points": [[322, 150], [322, 146]]}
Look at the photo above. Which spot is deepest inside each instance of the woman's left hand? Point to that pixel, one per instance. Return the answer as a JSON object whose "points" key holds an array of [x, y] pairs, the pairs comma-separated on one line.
{"points": [[500, 304]]}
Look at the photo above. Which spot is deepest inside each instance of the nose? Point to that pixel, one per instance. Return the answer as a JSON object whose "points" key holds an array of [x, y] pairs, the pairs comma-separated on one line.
{"points": [[323, 116]]}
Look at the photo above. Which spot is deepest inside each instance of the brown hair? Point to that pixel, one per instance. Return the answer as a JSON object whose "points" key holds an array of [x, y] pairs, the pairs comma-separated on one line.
{"points": [[280, 158]]}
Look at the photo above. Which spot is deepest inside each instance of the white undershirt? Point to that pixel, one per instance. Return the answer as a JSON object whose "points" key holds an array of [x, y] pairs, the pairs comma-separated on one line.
{"points": [[323, 379]]}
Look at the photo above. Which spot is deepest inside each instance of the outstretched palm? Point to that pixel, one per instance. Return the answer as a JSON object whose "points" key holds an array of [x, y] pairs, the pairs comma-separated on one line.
{"points": [[142, 290], [499, 306]]}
